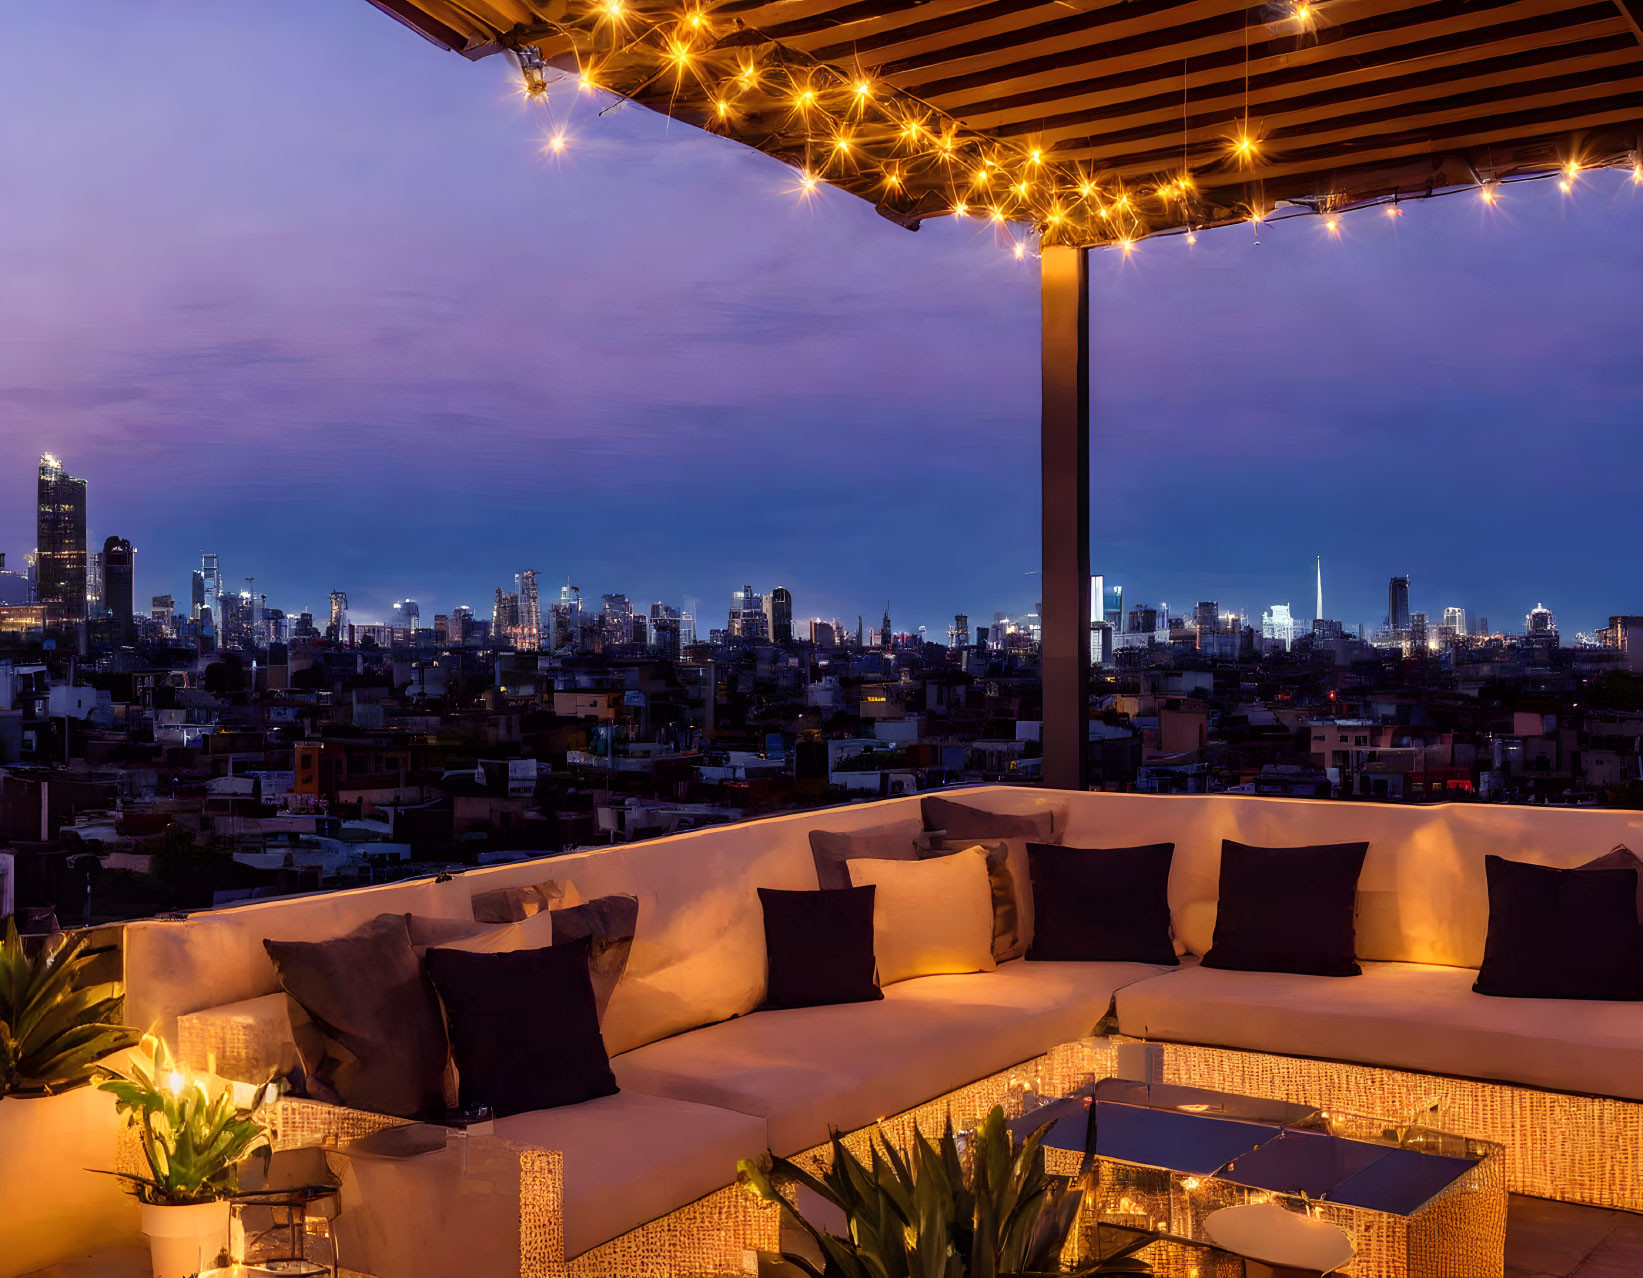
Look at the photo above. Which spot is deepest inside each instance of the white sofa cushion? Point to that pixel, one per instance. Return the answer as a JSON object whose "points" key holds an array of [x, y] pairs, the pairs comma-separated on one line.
{"points": [[804, 1070], [632, 1158], [1410, 1016]]}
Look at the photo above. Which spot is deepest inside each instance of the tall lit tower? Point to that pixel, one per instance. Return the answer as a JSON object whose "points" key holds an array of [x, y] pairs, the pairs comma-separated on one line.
{"points": [[530, 611], [211, 600], [60, 529], [1320, 609], [339, 615]]}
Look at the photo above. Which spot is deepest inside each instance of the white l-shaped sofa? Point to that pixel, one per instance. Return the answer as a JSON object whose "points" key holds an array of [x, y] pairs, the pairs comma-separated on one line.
{"points": [[706, 1081]]}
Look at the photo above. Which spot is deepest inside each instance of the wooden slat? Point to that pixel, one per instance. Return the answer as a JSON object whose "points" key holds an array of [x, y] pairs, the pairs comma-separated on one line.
{"points": [[1360, 60], [1211, 119], [1594, 87], [1632, 11], [1410, 20], [1435, 139]]}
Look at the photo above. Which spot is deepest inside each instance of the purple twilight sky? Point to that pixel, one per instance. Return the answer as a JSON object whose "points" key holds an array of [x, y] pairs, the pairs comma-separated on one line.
{"points": [[288, 283]]}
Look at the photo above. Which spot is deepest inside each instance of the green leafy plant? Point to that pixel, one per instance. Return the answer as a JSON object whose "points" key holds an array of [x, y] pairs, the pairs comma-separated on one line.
{"points": [[53, 1030], [193, 1143], [927, 1214]]}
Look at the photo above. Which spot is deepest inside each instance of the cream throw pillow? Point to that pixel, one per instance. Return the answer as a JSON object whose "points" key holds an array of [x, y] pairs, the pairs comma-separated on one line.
{"points": [[929, 917]]}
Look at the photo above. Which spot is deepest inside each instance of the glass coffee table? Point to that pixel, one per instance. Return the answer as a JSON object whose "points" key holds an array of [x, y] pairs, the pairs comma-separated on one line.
{"points": [[1415, 1202]]}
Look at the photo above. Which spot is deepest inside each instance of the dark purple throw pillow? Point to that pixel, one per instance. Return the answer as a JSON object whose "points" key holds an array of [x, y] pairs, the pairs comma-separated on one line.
{"points": [[820, 947], [366, 1021], [524, 1027], [1565, 934], [1101, 905], [1288, 909]]}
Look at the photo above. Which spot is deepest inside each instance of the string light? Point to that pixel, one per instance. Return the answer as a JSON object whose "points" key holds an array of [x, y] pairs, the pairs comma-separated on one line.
{"points": [[890, 144], [1333, 226]]}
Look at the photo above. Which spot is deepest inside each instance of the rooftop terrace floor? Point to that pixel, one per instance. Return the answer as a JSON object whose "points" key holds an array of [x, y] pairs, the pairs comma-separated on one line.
{"points": [[1543, 1240]]}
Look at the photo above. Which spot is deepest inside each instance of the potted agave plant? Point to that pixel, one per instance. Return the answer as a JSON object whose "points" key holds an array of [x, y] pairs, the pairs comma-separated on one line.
{"points": [[192, 1144], [57, 1023], [990, 1212]]}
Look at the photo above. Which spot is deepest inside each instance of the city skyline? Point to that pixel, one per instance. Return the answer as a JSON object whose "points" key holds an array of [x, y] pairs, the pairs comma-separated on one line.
{"points": [[1400, 608], [251, 356]]}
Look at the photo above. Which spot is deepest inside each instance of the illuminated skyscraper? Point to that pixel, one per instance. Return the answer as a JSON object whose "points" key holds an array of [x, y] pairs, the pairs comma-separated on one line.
{"points": [[211, 575], [339, 615], [1278, 626], [530, 612], [60, 565]]}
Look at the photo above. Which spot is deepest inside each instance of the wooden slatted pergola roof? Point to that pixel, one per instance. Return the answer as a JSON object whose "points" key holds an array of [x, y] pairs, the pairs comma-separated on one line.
{"points": [[1095, 121]]}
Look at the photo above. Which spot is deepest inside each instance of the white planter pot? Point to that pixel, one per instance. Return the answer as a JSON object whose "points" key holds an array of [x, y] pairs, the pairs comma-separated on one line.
{"points": [[55, 1205], [184, 1241]]}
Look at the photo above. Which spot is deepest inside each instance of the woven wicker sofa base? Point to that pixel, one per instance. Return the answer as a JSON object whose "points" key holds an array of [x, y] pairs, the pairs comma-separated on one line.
{"points": [[1577, 1149]]}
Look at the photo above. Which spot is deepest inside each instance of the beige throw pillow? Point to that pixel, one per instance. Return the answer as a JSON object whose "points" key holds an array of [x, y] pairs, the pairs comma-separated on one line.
{"points": [[929, 917], [1011, 886]]}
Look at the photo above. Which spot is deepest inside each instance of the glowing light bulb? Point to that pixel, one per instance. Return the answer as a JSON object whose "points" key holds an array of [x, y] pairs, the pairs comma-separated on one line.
{"points": [[1392, 210], [806, 97], [1245, 145], [808, 182], [1564, 185], [960, 209], [1489, 192], [613, 8], [722, 107], [555, 144], [841, 144], [1037, 155], [1572, 168], [1128, 246], [1333, 226], [1021, 189], [863, 89], [695, 19], [998, 214], [1084, 189], [1192, 237], [1303, 13], [892, 179], [1637, 173], [1020, 250], [175, 1082]]}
